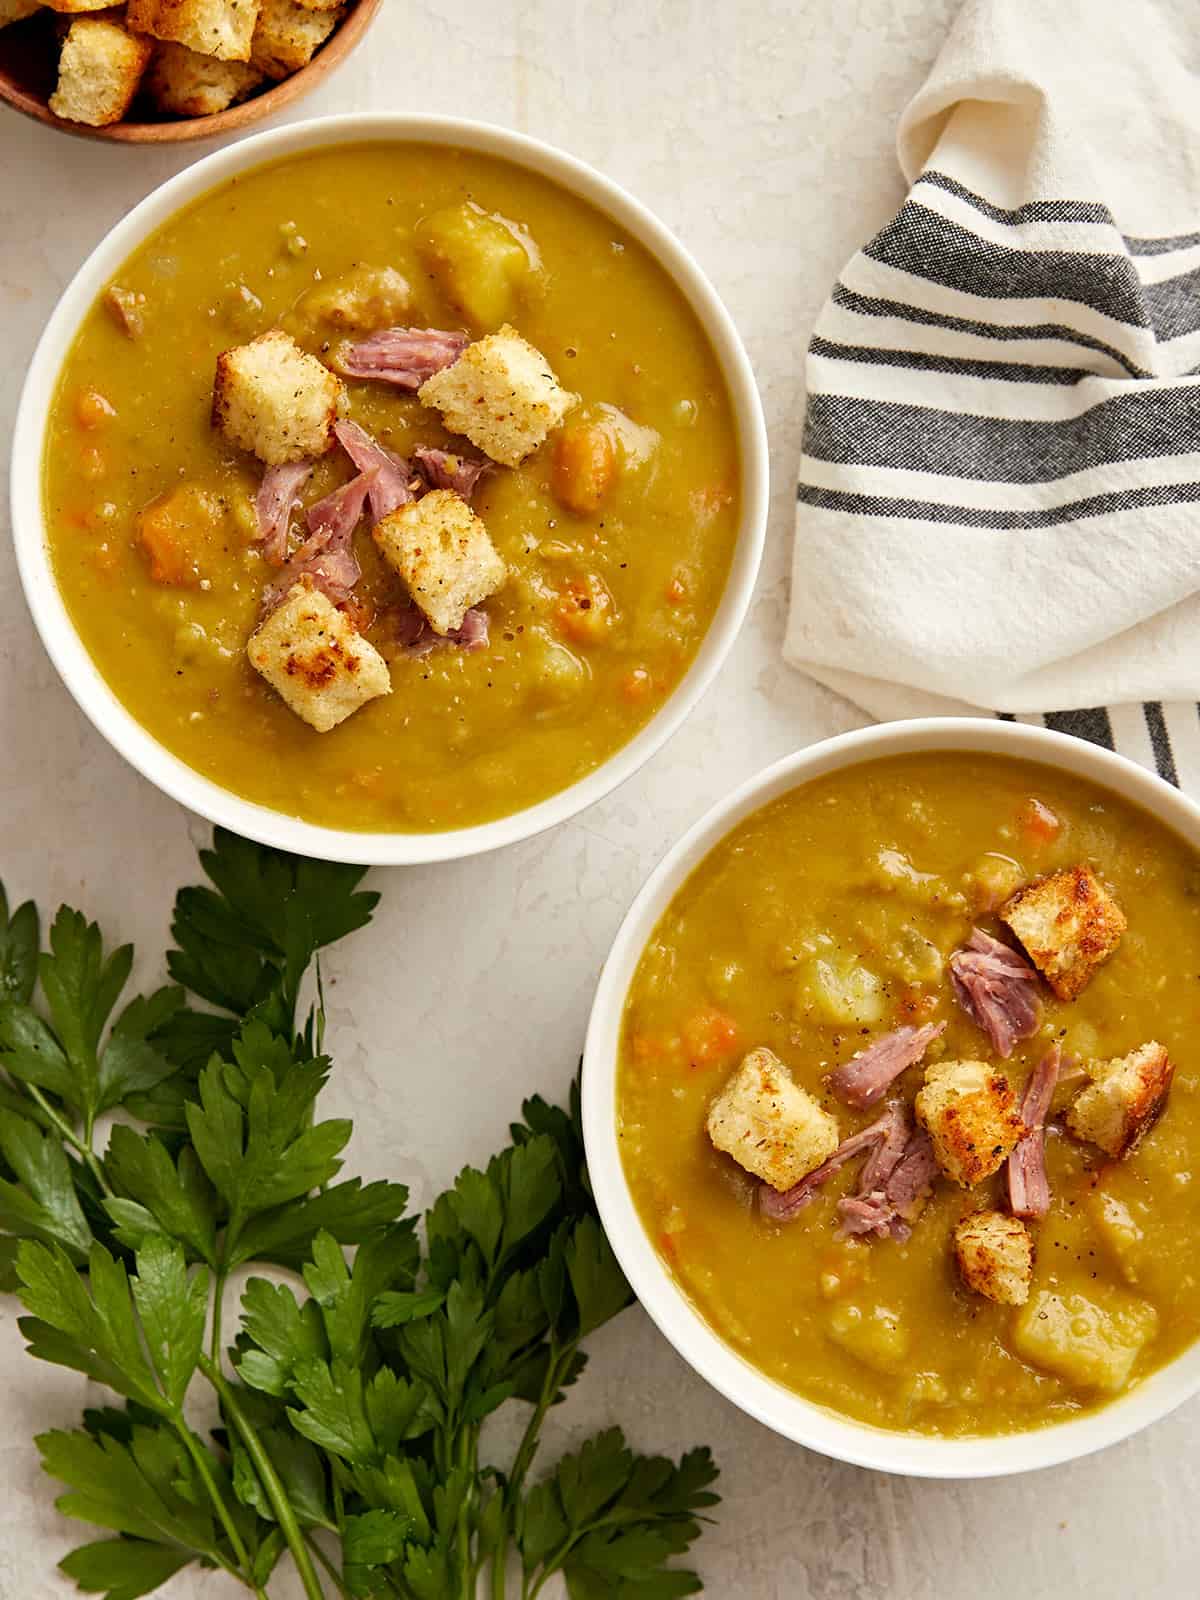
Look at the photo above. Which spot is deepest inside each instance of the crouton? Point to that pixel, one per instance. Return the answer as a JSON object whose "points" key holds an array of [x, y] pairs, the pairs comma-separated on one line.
{"points": [[274, 399], [99, 70], [320, 5], [770, 1125], [313, 655], [186, 84], [444, 554], [1091, 1341], [287, 36], [18, 10], [75, 8], [995, 1256], [1123, 1100], [500, 394], [221, 28], [1069, 924], [969, 1111]]}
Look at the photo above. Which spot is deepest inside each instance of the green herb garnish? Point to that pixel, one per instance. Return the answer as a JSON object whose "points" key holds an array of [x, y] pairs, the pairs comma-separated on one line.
{"points": [[352, 1398]]}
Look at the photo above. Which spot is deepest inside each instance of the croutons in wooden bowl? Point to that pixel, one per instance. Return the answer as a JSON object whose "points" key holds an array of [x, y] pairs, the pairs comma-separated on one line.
{"points": [[165, 71]]}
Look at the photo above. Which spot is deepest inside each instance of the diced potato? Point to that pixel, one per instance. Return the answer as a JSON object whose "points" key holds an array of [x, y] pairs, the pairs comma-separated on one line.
{"points": [[1089, 1343], [480, 260], [992, 880], [873, 1334], [362, 299], [840, 991], [1120, 1232]]}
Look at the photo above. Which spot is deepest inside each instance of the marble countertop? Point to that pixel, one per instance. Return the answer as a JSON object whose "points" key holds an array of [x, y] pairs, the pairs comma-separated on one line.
{"points": [[763, 135]]}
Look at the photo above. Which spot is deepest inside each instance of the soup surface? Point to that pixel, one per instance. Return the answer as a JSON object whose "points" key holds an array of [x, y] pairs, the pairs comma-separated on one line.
{"points": [[604, 604], [826, 919]]}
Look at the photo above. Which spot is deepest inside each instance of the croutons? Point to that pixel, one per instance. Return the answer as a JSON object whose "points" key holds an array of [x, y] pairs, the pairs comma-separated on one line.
{"points": [[500, 394], [221, 28], [770, 1125], [1123, 1100], [287, 36], [444, 554], [99, 70], [969, 1111], [191, 85], [274, 399], [18, 10], [76, 8], [995, 1256], [1069, 924], [313, 655], [1092, 1343]]}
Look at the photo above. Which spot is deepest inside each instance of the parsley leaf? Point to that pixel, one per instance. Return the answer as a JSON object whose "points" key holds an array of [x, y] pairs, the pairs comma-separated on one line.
{"points": [[20, 941], [38, 1199]]}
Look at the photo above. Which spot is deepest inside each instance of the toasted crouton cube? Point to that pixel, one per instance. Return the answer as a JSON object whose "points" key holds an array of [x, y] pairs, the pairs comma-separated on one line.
{"points": [[313, 655], [18, 10], [1092, 1343], [770, 1125], [273, 398], [969, 1111], [99, 70], [500, 394], [995, 1256], [1069, 924], [287, 35], [74, 8], [320, 5], [190, 85], [444, 554], [1123, 1100], [221, 28]]}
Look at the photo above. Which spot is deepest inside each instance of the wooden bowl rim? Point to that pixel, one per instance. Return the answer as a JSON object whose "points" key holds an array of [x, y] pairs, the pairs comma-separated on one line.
{"points": [[182, 130]]}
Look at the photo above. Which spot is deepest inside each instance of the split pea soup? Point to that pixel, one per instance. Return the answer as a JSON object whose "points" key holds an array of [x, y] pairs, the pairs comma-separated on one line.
{"points": [[616, 534], [821, 922]]}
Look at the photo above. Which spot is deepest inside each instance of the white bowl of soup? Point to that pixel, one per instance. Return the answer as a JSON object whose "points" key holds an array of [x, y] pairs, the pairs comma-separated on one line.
{"points": [[848, 917], [598, 544]]}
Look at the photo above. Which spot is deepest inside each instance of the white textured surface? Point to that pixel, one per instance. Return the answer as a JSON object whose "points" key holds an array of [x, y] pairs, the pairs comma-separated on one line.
{"points": [[762, 133]]}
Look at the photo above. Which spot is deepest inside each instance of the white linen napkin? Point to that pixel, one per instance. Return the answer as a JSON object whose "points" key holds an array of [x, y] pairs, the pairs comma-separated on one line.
{"points": [[999, 502]]}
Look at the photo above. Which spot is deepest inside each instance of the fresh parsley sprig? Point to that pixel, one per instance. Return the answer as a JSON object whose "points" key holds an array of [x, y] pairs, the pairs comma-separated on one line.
{"points": [[353, 1399]]}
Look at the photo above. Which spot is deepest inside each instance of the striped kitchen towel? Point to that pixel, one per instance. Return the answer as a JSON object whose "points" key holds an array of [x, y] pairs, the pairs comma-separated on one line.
{"points": [[999, 503]]}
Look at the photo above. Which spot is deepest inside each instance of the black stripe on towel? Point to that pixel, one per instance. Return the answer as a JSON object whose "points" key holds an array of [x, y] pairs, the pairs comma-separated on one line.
{"points": [[959, 366], [1099, 505], [1174, 305], [1161, 247], [929, 246], [1032, 211], [1160, 741], [1150, 423], [875, 306], [1090, 722]]}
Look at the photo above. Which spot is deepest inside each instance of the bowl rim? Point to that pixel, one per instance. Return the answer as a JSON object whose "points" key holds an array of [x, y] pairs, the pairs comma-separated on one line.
{"points": [[678, 1319], [339, 46], [83, 678]]}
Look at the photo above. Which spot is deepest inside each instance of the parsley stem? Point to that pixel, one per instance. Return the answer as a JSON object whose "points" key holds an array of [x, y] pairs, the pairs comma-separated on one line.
{"points": [[219, 1279], [329, 1566], [201, 1464], [83, 1149], [285, 1515]]}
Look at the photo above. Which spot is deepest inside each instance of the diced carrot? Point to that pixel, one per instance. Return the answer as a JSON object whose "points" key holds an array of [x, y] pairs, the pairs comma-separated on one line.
{"points": [[709, 1035], [93, 463], [668, 1245], [92, 408], [178, 532], [645, 1047], [583, 468], [585, 611], [1038, 822], [636, 685], [677, 590]]}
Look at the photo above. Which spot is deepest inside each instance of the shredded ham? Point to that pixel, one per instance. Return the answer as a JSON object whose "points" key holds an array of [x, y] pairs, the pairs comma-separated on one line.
{"points": [[410, 633], [1028, 1184], [997, 988], [895, 1180], [865, 1079], [392, 486], [278, 496], [783, 1207], [326, 559], [442, 470], [405, 357]]}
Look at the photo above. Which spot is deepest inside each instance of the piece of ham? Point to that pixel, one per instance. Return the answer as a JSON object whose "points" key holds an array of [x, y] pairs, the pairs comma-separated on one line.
{"points": [[864, 1079], [442, 470], [997, 988], [1028, 1184], [405, 357], [889, 1211], [278, 496], [411, 634], [782, 1207], [326, 559], [392, 485]]}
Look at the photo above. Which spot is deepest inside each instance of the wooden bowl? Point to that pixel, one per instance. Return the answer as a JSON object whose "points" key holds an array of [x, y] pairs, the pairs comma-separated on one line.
{"points": [[28, 71]]}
